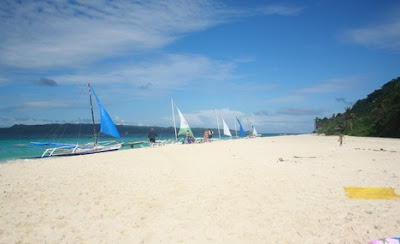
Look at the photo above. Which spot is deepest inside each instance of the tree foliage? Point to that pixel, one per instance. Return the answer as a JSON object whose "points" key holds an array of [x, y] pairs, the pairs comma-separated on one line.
{"points": [[377, 115]]}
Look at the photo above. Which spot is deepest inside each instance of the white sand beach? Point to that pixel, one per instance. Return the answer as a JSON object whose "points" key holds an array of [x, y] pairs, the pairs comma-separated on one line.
{"points": [[286, 189]]}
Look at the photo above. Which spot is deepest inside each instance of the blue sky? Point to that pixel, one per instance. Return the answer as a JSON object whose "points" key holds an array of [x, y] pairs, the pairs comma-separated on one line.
{"points": [[275, 64]]}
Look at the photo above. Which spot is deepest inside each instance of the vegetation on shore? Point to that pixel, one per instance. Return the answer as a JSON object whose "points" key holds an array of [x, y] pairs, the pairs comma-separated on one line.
{"points": [[378, 115]]}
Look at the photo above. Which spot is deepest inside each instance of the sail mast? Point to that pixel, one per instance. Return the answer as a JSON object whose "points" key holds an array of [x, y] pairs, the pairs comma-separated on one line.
{"points": [[91, 108], [234, 122], [219, 132], [173, 118]]}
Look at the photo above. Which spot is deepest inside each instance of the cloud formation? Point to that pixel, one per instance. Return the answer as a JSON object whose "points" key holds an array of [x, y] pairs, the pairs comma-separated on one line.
{"points": [[147, 86], [262, 113], [46, 82], [165, 73], [299, 111], [51, 34], [285, 10], [333, 85], [344, 101], [42, 34], [384, 36]]}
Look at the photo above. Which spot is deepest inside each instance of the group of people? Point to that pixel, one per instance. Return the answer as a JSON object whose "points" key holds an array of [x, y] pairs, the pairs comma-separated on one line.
{"points": [[207, 136]]}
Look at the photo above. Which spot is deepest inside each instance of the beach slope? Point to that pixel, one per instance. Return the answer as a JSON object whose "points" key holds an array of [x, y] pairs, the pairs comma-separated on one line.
{"points": [[286, 189]]}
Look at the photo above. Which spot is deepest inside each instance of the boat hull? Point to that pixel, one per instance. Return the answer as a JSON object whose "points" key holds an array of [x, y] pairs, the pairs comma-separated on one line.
{"points": [[52, 152]]}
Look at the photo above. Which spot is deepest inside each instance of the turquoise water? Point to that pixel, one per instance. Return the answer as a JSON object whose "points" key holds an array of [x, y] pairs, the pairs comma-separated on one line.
{"points": [[19, 147]]}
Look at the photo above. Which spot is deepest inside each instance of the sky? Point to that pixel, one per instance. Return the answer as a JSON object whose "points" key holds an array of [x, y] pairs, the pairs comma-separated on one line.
{"points": [[276, 65]]}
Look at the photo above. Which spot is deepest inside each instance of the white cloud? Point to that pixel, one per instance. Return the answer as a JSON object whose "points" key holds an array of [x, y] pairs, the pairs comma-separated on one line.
{"points": [[27, 106], [278, 123], [323, 88], [251, 86], [3, 80], [168, 72], [386, 36], [61, 33], [299, 111], [333, 85], [294, 98], [328, 86], [51, 34], [285, 10], [45, 104]]}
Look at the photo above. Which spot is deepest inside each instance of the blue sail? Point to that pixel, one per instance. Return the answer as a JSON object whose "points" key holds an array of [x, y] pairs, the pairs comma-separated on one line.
{"points": [[241, 131], [107, 125]]}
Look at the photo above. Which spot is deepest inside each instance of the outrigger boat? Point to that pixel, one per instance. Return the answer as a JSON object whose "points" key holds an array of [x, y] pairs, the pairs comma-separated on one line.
{"points": [[107, 127]]}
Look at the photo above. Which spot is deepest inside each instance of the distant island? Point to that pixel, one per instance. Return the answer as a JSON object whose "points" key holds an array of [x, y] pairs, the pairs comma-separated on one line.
{"points": [[378, 115], [70, 129]]}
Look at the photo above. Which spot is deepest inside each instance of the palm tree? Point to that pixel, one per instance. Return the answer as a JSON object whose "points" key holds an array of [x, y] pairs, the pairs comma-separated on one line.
{"points": [[349, 117]]}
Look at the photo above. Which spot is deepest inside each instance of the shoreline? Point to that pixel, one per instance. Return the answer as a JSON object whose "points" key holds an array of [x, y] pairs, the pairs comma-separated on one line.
{"points": [[284, 188], [126, 147]]}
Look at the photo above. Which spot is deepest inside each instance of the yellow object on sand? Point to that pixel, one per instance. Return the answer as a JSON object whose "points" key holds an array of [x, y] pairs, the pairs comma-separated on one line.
{"points": [[356, 192]]}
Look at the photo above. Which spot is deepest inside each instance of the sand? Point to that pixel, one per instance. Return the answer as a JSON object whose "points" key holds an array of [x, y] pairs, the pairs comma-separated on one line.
{"points": [[286, 189]]}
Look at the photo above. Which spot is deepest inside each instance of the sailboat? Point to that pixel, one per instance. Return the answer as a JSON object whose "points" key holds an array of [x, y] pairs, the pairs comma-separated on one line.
{"points": [[184, 127], [254, 133], [225, 127], [107, 127], [226, 130], [241, 131]]}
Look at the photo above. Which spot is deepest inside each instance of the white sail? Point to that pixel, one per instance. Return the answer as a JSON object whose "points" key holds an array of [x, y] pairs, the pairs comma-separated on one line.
{"points": [[219, 131], [184, 127], [227, 132], [254, 133]]}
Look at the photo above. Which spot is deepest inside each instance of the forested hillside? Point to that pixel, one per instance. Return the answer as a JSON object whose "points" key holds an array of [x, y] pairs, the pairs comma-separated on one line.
{"points": [[377, 115]]}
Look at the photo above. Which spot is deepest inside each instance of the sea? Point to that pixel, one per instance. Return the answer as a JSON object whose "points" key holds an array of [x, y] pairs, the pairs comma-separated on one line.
{"points": [[14, 148], [17, 147]]}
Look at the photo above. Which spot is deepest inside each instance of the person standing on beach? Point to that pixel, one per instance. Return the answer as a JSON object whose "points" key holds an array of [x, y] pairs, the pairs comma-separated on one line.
{"points": [[152, 136], [341, 135]]}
